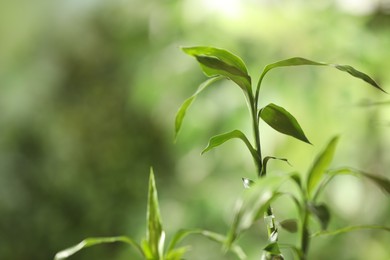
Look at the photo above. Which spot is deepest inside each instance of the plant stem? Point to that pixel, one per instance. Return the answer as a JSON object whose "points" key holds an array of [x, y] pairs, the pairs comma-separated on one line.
{"points": [[268, 216], [305, 239]]}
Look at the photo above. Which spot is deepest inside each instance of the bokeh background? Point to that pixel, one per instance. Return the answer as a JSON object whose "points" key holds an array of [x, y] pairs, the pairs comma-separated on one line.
{"points": [[88, 94]]}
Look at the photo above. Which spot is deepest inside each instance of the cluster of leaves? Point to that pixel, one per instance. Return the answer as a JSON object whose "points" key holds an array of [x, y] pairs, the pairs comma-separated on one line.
{"points": [[153, 246]]}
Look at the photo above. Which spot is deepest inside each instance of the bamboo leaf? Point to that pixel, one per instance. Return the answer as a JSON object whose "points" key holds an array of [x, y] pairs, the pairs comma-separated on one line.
{"points": [[349, 229], [380, 181], [96, 241], [187, 103], [222, 138], [322, 213], [214, 62], [155, 235], [265, 163], [291, 225], [298, 61], [282, 121], [321, 163]]}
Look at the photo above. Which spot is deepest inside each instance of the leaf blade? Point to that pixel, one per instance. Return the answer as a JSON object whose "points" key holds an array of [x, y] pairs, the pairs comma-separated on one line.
{"points": [[282, 121], [218, 140], [321, 163], [88, 242], [155, 235], [187, 103], [349, 229]]}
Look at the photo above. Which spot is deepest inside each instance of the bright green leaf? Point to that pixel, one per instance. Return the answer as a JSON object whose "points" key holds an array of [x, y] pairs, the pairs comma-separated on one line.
{"points": [[297, 61], [349, 229], [187, 103], [291, 225], [321, 163], [265, 163], [380, 181], [322, 213], [155, 235], [222, 138], [216, 62], [282, 121], [95, 241]]}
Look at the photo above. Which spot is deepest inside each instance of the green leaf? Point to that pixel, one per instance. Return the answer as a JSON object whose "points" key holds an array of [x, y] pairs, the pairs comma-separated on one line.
{"points": [[222, 138], [208, 234], [253, 204], [216, 61], [298, 61], [155, 235], [322, 213], [380, 181], [321, 163], [96, 241], [291, 225], [187, 103], [265, 163], [273, 249], [349, 229], [177, 253], [282, 121]]}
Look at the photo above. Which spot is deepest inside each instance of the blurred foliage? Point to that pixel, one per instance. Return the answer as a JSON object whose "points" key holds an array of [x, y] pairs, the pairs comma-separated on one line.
{"points": [[88, 94]]}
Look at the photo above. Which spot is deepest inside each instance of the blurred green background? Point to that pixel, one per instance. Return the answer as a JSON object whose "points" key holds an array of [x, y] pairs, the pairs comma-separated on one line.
{"points": [[88, 94]]}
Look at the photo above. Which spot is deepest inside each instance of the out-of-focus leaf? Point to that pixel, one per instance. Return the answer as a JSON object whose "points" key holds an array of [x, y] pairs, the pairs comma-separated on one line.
{"points": [[321, 163], [155, 235], [282, 121], [253, 204], [96, 241], [216, 61], [298, 61], [265, 163], [272, 248], [177, 253], [322, 213], [349, 229], [208, 234], [380, 181], [291, 225], [187, 103], [222, 138]]}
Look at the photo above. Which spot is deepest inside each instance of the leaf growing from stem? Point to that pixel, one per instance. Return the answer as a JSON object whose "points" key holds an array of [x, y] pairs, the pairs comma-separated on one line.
{"points": [[282, 121], [222, 138], [298, 61], [95, 241], [154, 235], [349, 229], [265, 163], [321, 163], [322, 213], [291, 225], [187, 103], [216, 62]]}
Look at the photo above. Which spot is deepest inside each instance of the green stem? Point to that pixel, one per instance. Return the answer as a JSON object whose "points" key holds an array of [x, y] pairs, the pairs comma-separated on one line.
{"points": [[305, 234]]}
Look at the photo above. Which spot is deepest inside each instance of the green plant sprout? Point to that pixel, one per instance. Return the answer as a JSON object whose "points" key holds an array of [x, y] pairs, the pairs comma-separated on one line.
{"points": [[220, 64], [153, 246], [256, 200]]}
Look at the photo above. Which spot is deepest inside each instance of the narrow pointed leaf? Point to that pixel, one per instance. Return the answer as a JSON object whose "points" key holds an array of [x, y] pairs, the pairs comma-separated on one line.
{"points": [[95, 241], [187, 103], [155, 235], [291, 225], [282, 121], [216, 62], [380, 181], [321, 212], [180, 235], [349, 229], [298, 61], [321, 163], [265, 163], [222, 138]]}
